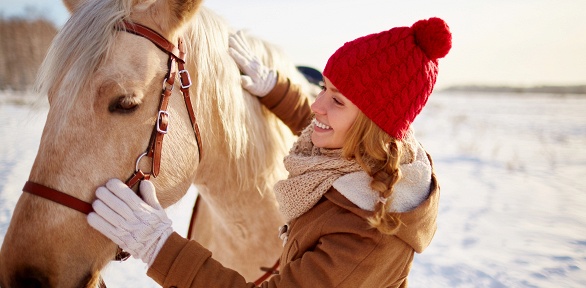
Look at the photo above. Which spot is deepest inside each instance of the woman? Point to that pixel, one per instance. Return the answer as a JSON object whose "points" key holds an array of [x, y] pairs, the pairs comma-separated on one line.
{"points": [[361, 196]]}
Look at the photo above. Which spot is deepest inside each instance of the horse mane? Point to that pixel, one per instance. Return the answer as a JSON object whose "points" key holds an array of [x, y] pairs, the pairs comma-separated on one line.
{"points": [[79, 48], [256, 145]]}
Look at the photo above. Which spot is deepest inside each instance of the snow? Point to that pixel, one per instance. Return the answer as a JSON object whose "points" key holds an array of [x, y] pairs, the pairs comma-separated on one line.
{"points": [[512, 209]]}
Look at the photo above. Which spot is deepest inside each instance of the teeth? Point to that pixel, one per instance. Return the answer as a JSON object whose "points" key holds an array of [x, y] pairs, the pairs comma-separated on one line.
{"points": [[321, 125]]}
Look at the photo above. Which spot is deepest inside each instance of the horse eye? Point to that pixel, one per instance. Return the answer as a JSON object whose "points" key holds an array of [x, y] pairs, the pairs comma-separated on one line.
{"points": [[123, 104]]}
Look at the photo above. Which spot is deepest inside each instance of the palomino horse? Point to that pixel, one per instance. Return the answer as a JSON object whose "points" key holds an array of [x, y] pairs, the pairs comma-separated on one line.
{"points": [[104, 89]]}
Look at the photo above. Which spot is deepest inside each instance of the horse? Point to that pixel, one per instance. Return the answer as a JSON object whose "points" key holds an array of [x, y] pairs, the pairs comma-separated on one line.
{"points": [[104, 85]]}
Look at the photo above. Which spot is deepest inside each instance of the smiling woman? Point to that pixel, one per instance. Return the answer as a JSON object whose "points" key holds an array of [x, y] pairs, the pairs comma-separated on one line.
{"points": [[334, 115]]}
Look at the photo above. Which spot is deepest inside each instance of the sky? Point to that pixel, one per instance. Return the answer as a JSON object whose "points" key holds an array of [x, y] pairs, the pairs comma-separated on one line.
{"points": [[497, 42]]}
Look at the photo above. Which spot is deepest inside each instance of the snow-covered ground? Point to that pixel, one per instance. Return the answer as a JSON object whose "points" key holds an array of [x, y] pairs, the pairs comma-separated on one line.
{"points": [[512, 209]]}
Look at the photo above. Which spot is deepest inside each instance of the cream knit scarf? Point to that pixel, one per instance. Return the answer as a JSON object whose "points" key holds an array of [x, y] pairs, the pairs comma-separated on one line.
{"points": [[312, 171]]}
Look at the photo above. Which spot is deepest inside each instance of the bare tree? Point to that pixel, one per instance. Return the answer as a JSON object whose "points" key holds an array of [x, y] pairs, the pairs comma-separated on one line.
{"points": [[23, 45]]}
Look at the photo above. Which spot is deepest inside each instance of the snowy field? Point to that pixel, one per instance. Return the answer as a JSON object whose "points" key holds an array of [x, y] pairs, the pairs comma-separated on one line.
{"points": [[512, 209]]}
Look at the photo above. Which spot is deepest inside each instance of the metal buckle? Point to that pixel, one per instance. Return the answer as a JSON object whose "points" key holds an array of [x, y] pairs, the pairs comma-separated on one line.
{"points": [[161, 112], [188, 78], [165, 86]]}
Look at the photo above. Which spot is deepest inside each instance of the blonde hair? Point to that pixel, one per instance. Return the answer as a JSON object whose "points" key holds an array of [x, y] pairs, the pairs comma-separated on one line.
{"points": [[379, 155]]}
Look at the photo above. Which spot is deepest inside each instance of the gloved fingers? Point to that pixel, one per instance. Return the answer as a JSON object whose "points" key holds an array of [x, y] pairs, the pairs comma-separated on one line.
{"points": [[240, 60], [112, 216], [238, 41], [262, 87], [250, 66], [240, 37], [107, 229], [125, 194], [149, 194], [238, 45], [246, 82], [151, 229], [107, 198]]}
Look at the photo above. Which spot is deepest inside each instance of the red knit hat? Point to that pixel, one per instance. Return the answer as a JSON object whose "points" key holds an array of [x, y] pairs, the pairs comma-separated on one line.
{"points": [[390, 75]]}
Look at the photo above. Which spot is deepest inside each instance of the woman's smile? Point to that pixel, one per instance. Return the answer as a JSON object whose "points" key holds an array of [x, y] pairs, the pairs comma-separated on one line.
{"points": [[320, 126], [337, 111]]}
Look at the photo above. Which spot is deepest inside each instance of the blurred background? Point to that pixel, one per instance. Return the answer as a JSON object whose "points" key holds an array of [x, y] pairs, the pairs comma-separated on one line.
{"points": [[517, 43], [506, 125]]}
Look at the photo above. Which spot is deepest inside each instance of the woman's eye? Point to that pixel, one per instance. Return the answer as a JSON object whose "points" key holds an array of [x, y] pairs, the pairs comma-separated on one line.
{"points": [[322, 87], [337, 101], [123, 105]]}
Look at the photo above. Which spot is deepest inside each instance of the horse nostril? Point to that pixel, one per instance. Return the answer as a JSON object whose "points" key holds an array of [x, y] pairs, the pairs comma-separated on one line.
{"points": [[30, 278], [28, 282]]}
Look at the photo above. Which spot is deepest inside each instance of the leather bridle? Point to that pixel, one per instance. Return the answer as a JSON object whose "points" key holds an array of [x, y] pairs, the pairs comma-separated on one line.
{"points": [[176, 65]]}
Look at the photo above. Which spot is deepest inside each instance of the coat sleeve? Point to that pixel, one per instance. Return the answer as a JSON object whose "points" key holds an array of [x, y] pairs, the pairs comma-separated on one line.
{"points": [[290, 104], [183, 263]]}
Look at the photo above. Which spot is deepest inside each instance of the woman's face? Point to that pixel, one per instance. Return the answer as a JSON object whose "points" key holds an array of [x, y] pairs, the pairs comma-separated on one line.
{"points": [[334, 115]]}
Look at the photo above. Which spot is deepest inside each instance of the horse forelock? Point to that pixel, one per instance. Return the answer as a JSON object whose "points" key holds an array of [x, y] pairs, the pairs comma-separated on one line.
{"points": [[80, 47]]}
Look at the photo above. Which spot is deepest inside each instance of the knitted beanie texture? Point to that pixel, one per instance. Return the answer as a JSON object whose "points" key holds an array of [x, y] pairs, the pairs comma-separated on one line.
{"points": [[390, 75]]}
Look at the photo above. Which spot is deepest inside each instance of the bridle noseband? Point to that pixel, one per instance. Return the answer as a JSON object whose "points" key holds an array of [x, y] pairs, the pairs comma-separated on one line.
{"points": [[161, 126]]}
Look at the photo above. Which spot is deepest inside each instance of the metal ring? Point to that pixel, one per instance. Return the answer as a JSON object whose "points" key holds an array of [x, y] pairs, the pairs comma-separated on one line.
{"points": [[164, 86], [138, 161]]}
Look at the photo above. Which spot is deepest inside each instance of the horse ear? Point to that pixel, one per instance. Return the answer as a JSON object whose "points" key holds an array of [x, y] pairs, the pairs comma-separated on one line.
{"points": [[181, 11], [184, 10], [171, 14], [71, 4]]}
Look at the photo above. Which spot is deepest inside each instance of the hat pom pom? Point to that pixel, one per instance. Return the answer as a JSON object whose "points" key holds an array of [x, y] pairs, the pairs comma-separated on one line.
{"points": [[433, 36]]}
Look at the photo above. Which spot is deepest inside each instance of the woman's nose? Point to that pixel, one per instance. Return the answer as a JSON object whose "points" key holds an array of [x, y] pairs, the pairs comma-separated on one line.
{"points": [[318, 106]]}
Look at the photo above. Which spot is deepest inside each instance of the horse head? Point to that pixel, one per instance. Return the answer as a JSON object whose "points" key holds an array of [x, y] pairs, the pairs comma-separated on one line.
{"points": [[104, 89]]}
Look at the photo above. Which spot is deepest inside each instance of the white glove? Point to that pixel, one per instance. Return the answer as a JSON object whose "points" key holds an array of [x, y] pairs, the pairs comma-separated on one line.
{"points": [[259, 79], [139, 227]]}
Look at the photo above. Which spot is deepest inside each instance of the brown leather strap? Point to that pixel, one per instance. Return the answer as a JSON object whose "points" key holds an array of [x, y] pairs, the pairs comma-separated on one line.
{"points": [[162, 124], [185, 84], [58, 197], [153, 36], [193, 216], [177, 55], [268, 273], [137, 176]]}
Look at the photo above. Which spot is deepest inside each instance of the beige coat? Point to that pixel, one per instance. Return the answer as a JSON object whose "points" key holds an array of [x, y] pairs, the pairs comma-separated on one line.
{"points": [[331, 245]]}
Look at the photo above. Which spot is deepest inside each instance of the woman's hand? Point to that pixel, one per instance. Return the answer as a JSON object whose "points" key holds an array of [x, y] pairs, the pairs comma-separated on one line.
{"points": [[259, 79], [139, 227]]}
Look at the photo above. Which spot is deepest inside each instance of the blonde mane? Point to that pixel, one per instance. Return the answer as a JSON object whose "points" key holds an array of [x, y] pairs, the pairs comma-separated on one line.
{"points": [[252, 141], [86, 37]]}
